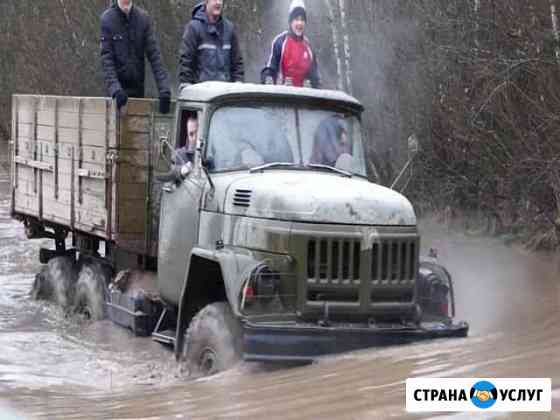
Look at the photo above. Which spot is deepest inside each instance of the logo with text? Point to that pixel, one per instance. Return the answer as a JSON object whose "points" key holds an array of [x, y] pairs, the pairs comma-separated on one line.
{"points": [[464, 394]]}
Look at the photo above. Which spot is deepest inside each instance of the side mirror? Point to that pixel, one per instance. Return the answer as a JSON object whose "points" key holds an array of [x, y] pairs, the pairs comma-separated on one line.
{"points": [[413, 146], [163, 153], [401, 182]]}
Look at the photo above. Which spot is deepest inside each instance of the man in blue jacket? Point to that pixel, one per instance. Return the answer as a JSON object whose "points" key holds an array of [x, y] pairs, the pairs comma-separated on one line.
{"points": [[127, 38], [210, 48]]}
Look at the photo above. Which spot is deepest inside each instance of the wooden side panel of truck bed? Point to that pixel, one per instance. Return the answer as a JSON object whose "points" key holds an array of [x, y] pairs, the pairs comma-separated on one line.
{"points": [[78, 163]]}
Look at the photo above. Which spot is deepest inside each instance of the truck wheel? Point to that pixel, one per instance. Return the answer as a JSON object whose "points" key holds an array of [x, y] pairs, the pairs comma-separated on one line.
{"points": [[213, 341], [91, 287], [56, 282]]}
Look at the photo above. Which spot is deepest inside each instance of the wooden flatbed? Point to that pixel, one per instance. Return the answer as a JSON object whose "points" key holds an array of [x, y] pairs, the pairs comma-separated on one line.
{"points": [[82, 166]]}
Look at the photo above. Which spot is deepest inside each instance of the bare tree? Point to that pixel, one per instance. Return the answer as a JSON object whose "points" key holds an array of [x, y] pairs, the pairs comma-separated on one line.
{"points": [[554, 19], [476, 8], [346, 42], [335, 42]]}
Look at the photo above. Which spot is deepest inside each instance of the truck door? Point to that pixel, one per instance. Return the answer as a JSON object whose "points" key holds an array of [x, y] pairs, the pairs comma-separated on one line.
{"points": [[179, 219]]}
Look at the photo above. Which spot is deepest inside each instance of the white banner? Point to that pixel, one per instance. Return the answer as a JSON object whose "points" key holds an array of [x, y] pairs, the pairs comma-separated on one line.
{"points": [[464, 394]]}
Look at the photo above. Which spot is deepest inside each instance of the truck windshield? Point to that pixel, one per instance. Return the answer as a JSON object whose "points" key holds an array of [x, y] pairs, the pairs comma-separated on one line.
{"points": [[244, 137]]}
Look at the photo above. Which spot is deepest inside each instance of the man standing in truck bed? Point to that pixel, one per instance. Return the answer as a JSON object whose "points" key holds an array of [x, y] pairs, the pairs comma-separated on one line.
{"points": [[210, 49], [126, 39]]}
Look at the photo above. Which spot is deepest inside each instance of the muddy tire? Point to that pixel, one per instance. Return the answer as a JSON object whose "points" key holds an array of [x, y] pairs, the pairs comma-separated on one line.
{"points": [[56, 282], [91, 289], [213, 341]]}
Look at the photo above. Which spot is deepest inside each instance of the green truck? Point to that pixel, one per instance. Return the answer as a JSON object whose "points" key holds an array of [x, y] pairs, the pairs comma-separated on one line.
{"points": [[267, 242]]}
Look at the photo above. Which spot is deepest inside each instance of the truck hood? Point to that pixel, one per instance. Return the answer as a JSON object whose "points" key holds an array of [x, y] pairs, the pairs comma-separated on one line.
{"points": [[317, 198]]}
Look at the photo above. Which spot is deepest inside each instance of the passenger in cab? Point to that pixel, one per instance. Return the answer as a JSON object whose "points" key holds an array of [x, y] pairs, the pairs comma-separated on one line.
{"points": [[292, 60], [331, 141]]}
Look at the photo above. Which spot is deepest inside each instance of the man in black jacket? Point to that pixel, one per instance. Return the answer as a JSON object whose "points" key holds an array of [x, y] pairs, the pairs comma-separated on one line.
{"points": [[210, 49], [126, 39]]}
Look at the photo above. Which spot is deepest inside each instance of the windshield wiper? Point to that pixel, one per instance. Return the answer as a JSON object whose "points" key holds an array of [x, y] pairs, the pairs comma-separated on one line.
{"points": [[330, 168], [273, 165]]}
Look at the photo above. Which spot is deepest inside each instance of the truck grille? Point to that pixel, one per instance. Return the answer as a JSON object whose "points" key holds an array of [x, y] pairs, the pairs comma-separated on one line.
{"points": [[393, 262], [335, 268], [334, 262]]}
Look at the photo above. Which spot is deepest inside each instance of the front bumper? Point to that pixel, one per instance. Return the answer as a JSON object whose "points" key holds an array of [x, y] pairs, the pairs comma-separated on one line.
{"points": [[305, 342]]}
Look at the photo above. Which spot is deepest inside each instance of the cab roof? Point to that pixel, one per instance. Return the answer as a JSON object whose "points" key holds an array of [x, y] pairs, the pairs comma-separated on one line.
{"points": [[221, 91]]}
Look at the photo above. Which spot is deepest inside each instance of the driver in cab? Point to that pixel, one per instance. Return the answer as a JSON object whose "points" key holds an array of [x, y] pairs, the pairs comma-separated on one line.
{"points": [[185, 154]]}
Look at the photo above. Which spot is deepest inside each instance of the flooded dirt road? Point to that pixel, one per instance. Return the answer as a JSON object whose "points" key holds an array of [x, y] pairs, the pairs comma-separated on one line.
{"points": [[54, 367]]}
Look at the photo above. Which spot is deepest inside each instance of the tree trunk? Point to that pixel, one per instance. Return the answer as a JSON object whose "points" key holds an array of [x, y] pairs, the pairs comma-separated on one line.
{"points": [[346, 42], [476, 22], [335, 39], [554, 18]]}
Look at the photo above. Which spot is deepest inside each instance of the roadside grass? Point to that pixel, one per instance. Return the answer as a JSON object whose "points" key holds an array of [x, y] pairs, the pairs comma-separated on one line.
{"points": [[539, 236]]}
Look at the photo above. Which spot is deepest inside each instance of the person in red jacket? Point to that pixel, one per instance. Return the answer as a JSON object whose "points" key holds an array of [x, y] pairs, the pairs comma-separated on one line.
{"points": [[292, 60]]}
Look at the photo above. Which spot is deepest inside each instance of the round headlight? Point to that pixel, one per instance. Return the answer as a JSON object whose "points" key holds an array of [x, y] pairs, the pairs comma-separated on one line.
{"points": [[266, 283]]}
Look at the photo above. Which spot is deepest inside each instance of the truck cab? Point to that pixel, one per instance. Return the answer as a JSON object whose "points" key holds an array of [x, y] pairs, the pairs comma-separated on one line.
{"points": [[273, 243]]}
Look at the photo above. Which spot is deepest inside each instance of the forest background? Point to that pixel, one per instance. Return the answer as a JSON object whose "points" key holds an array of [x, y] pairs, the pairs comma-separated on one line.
{"points": [[476, 81]]}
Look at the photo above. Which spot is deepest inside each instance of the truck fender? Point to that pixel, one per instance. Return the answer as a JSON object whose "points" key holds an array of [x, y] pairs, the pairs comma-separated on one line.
{"points": [[228, 264]]}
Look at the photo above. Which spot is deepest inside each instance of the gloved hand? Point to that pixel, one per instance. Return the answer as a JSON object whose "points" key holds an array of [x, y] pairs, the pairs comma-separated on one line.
{"points": [[164, 104], [121, 98], [267, 76]]}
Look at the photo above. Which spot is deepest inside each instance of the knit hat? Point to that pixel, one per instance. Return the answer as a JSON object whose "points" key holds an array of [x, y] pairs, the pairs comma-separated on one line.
{"points": [[297, 8]]}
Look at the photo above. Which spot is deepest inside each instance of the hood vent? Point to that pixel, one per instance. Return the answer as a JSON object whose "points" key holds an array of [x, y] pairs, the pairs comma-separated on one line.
{"points": [[242, 198]]}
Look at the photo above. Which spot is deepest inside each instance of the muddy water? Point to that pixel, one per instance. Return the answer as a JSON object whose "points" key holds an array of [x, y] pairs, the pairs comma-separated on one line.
{"points": [[54, 367]]}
